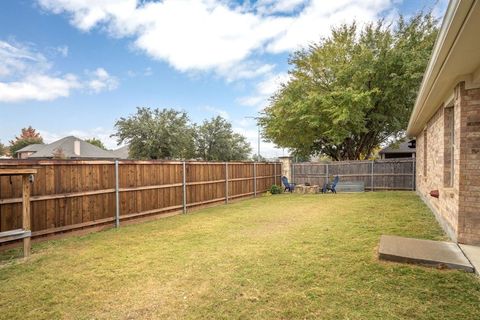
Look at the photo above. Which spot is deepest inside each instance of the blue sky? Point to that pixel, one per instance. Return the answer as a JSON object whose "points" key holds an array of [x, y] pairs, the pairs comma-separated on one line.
{"points": [[76, 66]]}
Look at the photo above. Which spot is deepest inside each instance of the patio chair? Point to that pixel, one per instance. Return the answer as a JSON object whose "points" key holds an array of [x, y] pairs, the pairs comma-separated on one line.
{"points": [[288, 186], [331, 186]]}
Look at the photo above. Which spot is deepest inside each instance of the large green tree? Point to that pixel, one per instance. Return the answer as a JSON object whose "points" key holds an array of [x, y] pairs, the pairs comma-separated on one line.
{"points": [[157, 134], [353, 90], [27, 137], [215, 140]]}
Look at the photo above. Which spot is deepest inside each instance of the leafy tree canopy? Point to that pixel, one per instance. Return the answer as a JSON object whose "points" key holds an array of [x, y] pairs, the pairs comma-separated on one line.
{"points": [[216, 141], [3, 149], [59, 153], [258, 158], [96, 142], [157, 134], [353, 90], [27, 137]]}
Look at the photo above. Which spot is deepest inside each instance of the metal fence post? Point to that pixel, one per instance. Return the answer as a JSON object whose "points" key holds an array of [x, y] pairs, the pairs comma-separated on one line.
{"points": [[117, 196], [275, 173], [371, 177], [414, 175], [226, 182], [293, 172], [184, 187], [255, 179], [326, 177]]}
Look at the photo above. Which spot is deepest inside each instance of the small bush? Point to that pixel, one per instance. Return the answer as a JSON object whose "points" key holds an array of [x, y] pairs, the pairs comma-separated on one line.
{"points": [[274, 189]]}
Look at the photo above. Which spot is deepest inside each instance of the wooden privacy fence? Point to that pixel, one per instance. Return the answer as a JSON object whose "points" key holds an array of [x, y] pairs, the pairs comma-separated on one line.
{"points": [[389, 174], [70, 195]]}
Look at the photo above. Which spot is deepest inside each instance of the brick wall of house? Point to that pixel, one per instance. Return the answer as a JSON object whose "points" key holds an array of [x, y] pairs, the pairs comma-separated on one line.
{"points": [[458, 206], [469, 204], [430, 175]]}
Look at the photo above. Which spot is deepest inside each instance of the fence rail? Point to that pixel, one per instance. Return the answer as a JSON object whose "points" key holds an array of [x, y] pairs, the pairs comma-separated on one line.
{"points": [[389, 174], [71, 195]]}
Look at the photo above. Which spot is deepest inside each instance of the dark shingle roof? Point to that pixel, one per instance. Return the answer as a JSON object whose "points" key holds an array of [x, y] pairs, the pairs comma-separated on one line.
{"points": [[122, 153], [32, 148], [67, 146], [398, 148]]}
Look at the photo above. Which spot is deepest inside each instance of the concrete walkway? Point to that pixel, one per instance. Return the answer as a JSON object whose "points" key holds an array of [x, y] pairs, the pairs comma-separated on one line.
{"points": [[473, 255], [440, 254]]}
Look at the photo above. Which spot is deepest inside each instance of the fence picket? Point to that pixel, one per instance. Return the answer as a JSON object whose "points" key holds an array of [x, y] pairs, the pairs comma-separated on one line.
{"points": [[69, 195], [389, 174]]}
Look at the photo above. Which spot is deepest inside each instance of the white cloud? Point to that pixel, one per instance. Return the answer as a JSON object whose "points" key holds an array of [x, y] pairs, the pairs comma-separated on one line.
{"points": [[316, 20], [252, 101], [100, 80], [146, 73], [267, 149], [278, 6], [26, 74], [17, 59], [216, 111], [218, 35], [38, 87], [62, 50], [245, 122], [245, 70], [264, 90]]}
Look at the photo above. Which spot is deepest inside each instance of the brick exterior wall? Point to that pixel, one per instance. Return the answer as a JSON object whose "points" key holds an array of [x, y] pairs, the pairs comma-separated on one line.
{"points": [[458, 207], [469, 205], [445, 206]]}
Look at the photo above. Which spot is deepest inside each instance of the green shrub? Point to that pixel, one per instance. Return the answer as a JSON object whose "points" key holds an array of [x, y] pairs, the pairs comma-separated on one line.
{"points": [[274, 189]]}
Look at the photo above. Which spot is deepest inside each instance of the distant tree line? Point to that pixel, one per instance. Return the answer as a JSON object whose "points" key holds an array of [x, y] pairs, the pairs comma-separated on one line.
{"points": [[96, 142], [161, 134], [169, 134], [27, 137]]}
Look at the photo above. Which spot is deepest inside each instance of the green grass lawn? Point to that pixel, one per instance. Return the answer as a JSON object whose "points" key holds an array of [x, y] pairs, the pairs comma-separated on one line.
{"points": [[278, 257]]}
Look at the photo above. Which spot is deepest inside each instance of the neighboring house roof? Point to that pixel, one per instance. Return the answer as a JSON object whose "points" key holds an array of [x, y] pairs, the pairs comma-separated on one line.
{"points": [[67, 146], [32, 148], [455, 58], [122, 153], [398, 148]]}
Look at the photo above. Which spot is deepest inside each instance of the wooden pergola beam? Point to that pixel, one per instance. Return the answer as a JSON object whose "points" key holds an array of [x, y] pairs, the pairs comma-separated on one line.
{"points": [[26, 219]]}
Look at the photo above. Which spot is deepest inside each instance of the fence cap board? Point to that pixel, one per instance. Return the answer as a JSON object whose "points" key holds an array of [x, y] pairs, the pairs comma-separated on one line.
{"points": [[50, 162], [14, 172], [344, 162]]}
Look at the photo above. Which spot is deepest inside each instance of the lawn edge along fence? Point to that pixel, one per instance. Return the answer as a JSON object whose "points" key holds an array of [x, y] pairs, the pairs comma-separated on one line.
{"points": [[71, 195]]}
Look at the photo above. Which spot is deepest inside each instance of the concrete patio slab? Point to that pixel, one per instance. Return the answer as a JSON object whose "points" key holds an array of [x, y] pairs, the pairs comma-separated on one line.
{"points": [[424, 252], [473, 255]]}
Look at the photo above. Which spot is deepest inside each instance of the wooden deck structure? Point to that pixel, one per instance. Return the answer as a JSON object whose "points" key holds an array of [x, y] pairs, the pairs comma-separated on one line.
{"points": [[25, 232]]}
